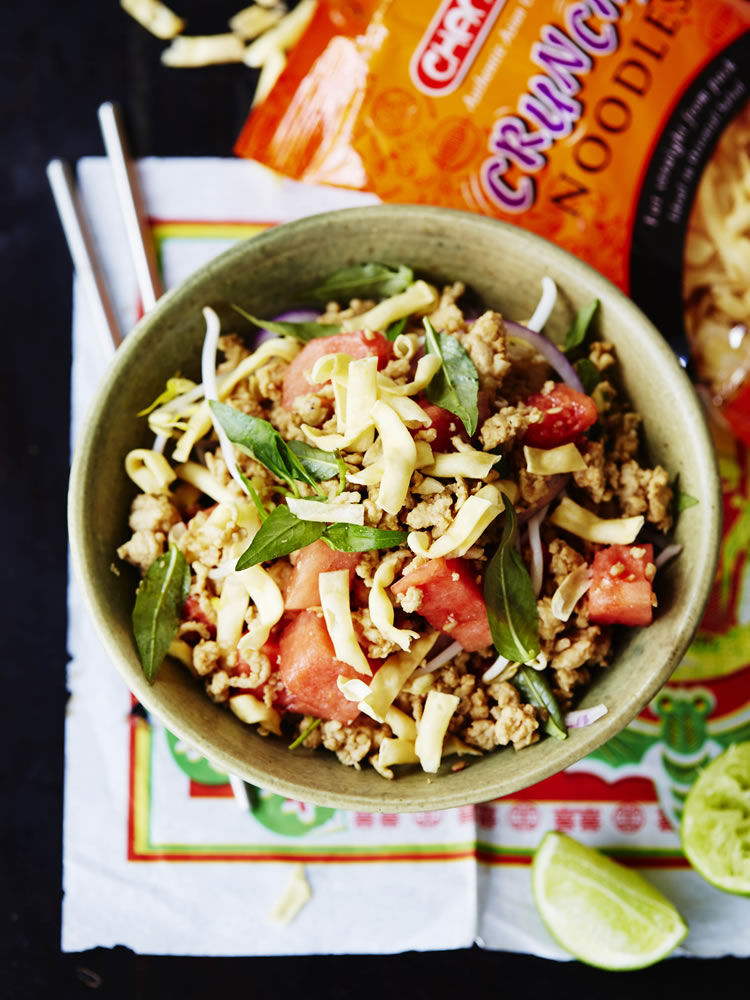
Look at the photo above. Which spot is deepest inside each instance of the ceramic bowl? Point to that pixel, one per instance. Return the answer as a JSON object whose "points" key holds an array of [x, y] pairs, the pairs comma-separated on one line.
{"points": [[504, 266]]}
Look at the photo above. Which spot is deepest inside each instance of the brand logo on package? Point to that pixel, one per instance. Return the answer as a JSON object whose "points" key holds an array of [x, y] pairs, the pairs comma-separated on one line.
{"points": [[451, 43]]}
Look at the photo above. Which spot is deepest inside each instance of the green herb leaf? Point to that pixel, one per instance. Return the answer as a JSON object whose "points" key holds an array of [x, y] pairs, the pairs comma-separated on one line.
{"points": [[362, 281], [534, 686], [263, 442], [396, 328], [509, 597], [588, 373], [175, 387], [361, 538], [262, 512], [455, 387], [299, 331], [685, 500], [320, 465], [577, 332], [303, 736], [158, 608], [281, 533]]}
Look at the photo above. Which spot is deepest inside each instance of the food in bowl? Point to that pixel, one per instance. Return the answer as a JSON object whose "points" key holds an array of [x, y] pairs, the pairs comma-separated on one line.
{"points": [[400, 529]]}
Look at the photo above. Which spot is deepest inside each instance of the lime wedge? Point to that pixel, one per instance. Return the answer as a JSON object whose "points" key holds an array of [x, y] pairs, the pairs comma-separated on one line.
{"points": [[716, 821], [602, 913]]}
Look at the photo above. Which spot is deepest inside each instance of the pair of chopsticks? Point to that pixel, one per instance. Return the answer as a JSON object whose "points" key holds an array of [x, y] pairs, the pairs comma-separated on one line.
{"points": [[87, 267], [78, 234]]}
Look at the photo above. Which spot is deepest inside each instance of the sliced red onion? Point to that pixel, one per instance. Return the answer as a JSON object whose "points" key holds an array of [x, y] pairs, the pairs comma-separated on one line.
{"points": [[297, 316], [584, 716], [292, 316], [547, 349], [555, 484], [667, 553], [442, 658]]}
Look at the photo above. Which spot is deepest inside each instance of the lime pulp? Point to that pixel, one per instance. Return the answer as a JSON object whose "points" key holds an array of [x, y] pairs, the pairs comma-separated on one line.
{"points": [[715, 827]]}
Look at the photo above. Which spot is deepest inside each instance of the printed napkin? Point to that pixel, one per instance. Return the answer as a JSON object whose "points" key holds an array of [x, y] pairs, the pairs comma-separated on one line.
{"points": [[158, 856]]}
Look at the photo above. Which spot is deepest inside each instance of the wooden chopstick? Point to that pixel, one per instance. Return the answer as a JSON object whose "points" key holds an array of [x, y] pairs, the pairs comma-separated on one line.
{"points": [[132, 209], [81, 246]]}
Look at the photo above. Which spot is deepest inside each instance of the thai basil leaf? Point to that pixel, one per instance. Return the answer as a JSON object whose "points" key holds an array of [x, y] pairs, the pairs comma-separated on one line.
{"points": [[362, 281], [579, 328], [680, 500], [299, 331], [684, 501], [509, 597], [264, 442], [455, 386], [396, 328], [320, 465], [158, 608], [281, 533], [534, 686], [361, 538], [588, 373]]}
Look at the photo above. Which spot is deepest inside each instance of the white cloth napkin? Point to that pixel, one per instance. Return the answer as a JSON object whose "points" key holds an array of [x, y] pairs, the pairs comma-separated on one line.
{"points": [[158, 857]]}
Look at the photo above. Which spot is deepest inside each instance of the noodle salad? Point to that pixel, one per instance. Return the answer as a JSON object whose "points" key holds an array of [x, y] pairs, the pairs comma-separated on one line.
{"points": [[398, 527]]}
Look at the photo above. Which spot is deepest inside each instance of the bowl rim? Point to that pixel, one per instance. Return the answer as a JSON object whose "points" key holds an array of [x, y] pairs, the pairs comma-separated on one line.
{"points": [[441, 793]]}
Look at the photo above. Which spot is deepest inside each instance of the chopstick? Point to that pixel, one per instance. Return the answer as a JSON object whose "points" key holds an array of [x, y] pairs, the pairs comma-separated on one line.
{"points": [[131, 205], [81, 246], [86, 264]]}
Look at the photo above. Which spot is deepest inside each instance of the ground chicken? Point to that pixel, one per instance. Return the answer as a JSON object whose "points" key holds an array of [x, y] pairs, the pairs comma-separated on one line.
{"points": [[256, 667], [485, 344], [509, 423], [549, 624], [398, 369], [142, 549], [602, 355], [335, 314], [217, 686], [234, 350], [626, 442], [447, 317], [376, 646], [516, 724], [593, 479], [410, 600], [349, 743], [206, 657], [312, 409], [533, 488], [645, 491], [152, 512], [481, 733], [563, 559], [246, 396], [434, 512]]}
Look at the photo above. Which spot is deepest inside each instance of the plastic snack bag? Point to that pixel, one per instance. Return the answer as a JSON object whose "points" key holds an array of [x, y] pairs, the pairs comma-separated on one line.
{"points": [[589, 122]]}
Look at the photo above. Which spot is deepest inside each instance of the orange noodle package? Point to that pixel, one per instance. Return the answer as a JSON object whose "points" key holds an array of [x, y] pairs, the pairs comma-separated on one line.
{"points": [[619, 129]]}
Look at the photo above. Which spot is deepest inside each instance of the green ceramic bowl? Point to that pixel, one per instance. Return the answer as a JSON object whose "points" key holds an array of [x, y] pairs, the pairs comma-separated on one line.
{"points": [[504, 265]]}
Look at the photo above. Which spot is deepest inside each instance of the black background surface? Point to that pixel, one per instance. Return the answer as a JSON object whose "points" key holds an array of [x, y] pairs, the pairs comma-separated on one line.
{"points": [[58, 62]]}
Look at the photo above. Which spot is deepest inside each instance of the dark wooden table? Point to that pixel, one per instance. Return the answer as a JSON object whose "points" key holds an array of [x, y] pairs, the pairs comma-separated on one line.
{"points": [[59, 62]]}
